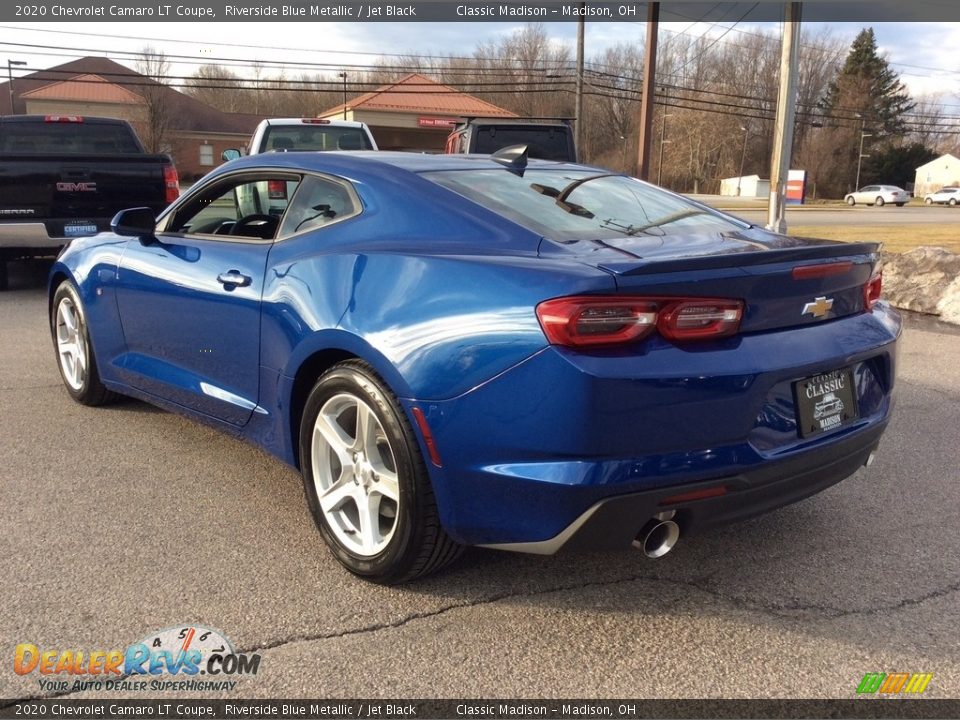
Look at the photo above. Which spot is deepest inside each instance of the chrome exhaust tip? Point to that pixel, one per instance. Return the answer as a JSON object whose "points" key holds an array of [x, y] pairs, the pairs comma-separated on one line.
{"points": [[658, 536], [870, 458]]}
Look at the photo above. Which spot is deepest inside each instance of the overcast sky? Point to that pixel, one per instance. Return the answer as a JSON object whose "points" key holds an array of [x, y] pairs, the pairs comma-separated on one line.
{"points": [[925, 54]]}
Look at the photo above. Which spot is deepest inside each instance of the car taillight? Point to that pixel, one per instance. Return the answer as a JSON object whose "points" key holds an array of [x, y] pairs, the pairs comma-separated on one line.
{"points": [[872, 290], [594, 320], [700, 319], [315, 121], [171, 183], [63, 119], [277, 189]]}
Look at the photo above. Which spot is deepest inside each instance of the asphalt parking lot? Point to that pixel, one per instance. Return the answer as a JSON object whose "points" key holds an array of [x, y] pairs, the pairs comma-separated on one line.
{"points": [[119, 521]]}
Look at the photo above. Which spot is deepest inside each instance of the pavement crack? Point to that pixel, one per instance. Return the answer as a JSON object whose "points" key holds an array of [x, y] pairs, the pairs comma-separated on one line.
{"points": [[782, 610], [795, 610]]}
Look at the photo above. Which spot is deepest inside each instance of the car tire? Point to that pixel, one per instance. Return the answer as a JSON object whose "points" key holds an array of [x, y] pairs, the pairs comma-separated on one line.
{"points": [[928, 201], [953, 202], [900, 204], [76, 359], [368, 490], [878, 202], [850, 201]]}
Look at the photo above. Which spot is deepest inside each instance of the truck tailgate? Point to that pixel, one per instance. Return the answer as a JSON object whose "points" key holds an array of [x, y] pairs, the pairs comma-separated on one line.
{"points": [[38, 188]]}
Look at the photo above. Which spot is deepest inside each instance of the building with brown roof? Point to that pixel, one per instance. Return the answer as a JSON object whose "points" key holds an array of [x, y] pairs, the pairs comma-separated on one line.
{"points": [[414, 113], [194, 133]]}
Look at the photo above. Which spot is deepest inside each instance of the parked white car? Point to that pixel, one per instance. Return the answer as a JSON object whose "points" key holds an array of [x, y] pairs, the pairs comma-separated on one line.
{"points": [[879, 195], [948, 195]]}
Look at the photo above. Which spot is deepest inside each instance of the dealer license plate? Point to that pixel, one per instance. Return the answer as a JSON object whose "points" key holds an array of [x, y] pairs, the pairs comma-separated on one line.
{"points": [[78, 229], [825, 402]]}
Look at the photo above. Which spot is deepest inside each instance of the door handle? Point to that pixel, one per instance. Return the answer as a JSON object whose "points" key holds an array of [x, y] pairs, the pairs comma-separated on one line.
{"points": [[234, 278]]}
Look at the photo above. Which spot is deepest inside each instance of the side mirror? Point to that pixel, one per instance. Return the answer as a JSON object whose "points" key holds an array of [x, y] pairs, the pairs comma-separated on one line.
{"points": [[230, 154], [135, 222]]}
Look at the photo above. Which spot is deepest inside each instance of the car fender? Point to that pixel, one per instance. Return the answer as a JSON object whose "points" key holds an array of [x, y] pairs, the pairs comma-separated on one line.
{"points": [[338, 341]]}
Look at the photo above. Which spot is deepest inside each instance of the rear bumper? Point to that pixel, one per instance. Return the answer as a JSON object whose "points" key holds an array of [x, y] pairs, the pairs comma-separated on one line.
{"points": [[615, 522], [531, 456], [40, 235]]}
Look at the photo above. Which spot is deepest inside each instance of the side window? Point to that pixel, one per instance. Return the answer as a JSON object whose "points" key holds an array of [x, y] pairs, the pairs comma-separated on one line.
{"points": [[244, 207], [318, 202]]}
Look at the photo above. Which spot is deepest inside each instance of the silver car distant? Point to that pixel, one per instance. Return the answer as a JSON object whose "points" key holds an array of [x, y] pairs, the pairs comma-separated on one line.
{"points": [[948, 195], [879, 195]]}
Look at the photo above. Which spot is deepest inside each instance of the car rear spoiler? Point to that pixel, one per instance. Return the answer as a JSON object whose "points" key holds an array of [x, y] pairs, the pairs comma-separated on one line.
{"points": [[829, 250]]}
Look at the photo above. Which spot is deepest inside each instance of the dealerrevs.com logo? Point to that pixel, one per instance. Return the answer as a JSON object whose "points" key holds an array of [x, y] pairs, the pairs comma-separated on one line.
{"points": [[184, 657]]}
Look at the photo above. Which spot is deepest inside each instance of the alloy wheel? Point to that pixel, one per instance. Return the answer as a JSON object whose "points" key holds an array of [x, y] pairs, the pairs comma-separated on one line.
{"points": [[355, 475], [71, 344]]}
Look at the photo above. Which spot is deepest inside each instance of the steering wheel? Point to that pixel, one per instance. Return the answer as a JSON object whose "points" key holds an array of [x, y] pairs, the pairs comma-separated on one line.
{"points": [[256, 225]]}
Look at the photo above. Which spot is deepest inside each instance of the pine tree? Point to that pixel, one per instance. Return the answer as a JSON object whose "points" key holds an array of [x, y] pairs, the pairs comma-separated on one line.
{"points": [[868, 87]]}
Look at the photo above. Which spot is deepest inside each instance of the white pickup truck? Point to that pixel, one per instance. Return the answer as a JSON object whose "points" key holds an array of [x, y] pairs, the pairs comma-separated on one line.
{"points": [[295, 135]]}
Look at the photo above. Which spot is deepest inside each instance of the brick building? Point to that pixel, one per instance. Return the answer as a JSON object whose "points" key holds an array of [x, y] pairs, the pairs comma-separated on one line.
{"points": [[99, 87]]}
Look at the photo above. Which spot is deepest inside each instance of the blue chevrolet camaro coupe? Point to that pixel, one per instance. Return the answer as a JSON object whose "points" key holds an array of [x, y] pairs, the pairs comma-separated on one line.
{"points": [[465, 350]]}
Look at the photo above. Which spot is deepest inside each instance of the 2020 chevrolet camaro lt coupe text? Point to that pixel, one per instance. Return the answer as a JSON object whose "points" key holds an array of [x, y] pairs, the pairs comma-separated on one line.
{"points": [[465, 350]]}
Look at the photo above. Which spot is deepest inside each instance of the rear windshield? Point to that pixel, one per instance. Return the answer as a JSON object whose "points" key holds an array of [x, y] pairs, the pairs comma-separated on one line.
{"points": [[67, 138], [543, 142], [314, 137], [582, 205]]}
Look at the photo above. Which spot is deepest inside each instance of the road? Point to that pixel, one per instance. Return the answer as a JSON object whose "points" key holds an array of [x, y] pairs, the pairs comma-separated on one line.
{"points": [[122, 520], [859, 215]]}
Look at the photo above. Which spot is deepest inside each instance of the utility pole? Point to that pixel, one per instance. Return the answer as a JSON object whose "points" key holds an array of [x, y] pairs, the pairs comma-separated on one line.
{"points": [[663, 132], [10, 64], [646, 103], [786, 108], [344, 76], [743, 156], [860, 157], [578, 128]]}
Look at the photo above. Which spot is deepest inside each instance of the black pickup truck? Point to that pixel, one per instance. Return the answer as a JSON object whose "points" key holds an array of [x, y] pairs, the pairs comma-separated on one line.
{"points": [[545, 138], [64, 176]]}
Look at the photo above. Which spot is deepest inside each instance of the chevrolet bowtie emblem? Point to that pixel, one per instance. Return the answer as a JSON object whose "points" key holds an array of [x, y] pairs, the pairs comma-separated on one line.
{"points": [[819, 307]]}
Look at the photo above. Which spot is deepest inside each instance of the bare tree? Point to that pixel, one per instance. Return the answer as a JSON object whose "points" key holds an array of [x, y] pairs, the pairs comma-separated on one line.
{"points": [[218, 87], [153, 64], [930, 126]]}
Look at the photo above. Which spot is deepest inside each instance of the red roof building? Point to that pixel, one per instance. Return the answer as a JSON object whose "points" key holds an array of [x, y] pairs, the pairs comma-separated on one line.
{"points": [[414, 113]]}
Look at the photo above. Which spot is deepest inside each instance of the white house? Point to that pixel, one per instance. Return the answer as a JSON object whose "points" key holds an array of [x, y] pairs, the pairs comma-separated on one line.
{"points": [[942, 172]]}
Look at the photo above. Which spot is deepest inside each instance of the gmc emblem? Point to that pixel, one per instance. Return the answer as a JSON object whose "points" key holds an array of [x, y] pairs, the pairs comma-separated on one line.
{"points": [[76, 186]]}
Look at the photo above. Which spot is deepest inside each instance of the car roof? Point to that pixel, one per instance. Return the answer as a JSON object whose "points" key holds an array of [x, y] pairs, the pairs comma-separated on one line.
{"points": [[366, 160]]}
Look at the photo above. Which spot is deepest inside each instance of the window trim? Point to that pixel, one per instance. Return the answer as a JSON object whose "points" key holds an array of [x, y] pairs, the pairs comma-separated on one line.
{"points": [[279, 173], [232, 179], [336, 180]]}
